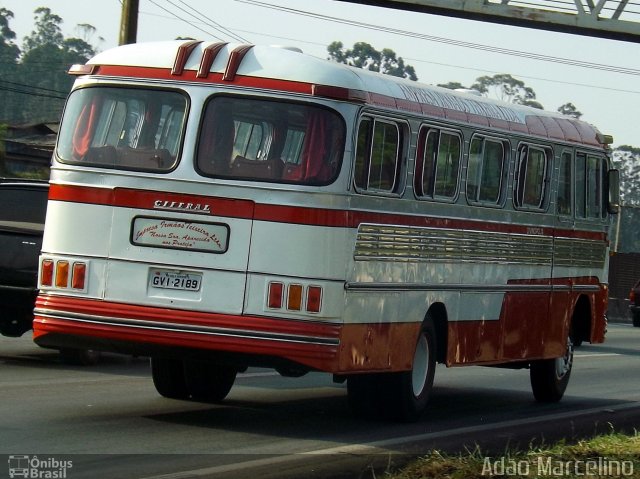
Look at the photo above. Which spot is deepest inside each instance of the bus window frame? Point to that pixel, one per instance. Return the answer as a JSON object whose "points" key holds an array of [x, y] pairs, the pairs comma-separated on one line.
{"points": [[281, 100], [604, 191], [403, 130], [418, 179], [181, 140], [571, 183], [518, 182], [601, 170], [504, 178]]}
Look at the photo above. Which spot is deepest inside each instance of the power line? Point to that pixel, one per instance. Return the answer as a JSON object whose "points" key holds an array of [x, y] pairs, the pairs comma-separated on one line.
{"points": [[31, 93], [34, 87], [211, 23], [220, 28], [449, 41], [185, 21]]}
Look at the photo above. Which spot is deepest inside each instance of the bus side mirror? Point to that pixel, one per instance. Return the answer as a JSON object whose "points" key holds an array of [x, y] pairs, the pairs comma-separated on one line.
{"points": [[613, 180]]}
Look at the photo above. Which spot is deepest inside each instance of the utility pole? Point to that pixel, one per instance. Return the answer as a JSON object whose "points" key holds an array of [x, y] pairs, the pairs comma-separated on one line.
{"points": [[129, 22]]}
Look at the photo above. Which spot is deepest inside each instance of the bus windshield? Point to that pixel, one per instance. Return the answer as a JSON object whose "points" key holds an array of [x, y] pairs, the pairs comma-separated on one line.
{"points": [[266, 140], [125, 128]]}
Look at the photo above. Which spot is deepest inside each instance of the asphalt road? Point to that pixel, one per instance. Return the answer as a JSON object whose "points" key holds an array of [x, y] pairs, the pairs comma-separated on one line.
{"points": [[108, 420]]}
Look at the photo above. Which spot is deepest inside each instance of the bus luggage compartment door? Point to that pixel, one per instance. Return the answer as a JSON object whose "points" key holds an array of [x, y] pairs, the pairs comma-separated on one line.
{"points": [[185, 259]]}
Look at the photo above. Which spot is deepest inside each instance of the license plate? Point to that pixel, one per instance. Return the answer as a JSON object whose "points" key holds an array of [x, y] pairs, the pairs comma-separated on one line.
{"points": [[167, 279]]}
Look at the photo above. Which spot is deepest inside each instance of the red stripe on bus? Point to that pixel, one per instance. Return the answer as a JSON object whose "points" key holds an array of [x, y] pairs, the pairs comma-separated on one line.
{"points": [[151, 314], [319, 356], [557, 128], [151, 200], [213, 77], [303, 215]]}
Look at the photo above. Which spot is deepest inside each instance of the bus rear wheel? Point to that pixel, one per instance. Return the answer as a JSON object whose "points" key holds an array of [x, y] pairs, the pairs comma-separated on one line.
{"points": [[400, 396], [410, 390], [168, 378], [208, 381], [550, 377]]}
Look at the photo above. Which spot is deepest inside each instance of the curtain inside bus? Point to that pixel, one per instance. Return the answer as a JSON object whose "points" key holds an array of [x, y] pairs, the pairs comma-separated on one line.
{"points": [[265, 140]]}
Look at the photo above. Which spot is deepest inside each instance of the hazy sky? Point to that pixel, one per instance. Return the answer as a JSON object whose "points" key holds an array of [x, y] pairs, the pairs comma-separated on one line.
{"points": [[609, 100]]}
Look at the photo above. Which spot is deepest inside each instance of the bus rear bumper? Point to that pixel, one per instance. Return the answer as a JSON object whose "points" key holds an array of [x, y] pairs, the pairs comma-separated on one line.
{"points": [[63, 321]]}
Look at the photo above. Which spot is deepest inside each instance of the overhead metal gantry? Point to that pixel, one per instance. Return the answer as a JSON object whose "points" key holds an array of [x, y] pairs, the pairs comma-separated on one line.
{"points": [[613, 19]]}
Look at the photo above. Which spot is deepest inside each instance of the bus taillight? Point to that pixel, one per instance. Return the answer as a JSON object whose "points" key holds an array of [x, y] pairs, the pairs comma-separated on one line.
{"points": [[275, 295], [78, 275], [46, 273], [62, 274], [294, 297], [298, 297], [314, 299]]}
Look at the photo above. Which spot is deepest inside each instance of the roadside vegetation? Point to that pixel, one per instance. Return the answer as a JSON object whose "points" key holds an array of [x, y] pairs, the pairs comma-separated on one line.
{"points": [[612, 455]]}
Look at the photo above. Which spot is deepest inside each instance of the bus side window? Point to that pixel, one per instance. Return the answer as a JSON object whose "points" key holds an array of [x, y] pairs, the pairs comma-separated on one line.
{"points": [[581, 184], [595, 178], [531, 183], [378, 156], [437, 164], [565, 185], [267, 140], [486, 171]]}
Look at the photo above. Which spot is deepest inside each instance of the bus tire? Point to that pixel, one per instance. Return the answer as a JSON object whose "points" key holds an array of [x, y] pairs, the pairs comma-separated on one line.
{"points": [[80, 357], [208, 381], [550, 377], [409, 391], [363, 394], [168, 378]]}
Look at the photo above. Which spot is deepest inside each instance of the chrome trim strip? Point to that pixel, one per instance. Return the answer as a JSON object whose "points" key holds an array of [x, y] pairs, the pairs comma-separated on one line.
{"points": [[378, 242], [484, 288], [180, 328], [586, 287]]}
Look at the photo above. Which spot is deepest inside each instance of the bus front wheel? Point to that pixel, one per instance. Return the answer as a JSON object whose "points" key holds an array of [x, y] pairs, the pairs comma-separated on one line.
{"points": [[550, 377]]}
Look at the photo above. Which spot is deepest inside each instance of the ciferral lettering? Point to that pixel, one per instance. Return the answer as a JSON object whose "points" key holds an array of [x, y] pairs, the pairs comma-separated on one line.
{"points": [[182, 206]]}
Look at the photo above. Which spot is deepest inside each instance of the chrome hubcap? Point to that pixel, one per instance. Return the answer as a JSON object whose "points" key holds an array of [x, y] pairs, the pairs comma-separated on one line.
{"points": [[420, 366]]}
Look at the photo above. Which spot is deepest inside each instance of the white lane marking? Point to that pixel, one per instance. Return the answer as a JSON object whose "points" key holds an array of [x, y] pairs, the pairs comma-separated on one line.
{"points": [[379, 446]]}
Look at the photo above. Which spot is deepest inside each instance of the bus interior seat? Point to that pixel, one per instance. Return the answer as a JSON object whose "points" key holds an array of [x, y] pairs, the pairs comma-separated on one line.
{"points": [[102, 155], [150, 158], [259, 169]]}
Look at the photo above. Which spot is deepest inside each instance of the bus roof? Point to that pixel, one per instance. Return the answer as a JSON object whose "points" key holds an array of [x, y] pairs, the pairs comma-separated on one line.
{"points": [[289, 69]]}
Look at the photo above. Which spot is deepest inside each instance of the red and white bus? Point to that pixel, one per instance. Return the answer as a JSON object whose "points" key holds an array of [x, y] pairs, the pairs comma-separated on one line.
{"points": [[218, 206]]}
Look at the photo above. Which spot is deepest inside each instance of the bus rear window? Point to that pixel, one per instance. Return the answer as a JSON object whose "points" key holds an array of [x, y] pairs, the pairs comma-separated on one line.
{"points": [[131, 129], [265, 140]]}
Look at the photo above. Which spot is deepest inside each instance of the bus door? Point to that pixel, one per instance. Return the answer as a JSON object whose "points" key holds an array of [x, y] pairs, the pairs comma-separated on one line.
{"points": [[194, 251]]}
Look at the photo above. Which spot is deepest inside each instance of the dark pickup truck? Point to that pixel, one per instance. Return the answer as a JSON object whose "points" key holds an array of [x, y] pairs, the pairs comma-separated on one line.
{"points": [[23, 207]]}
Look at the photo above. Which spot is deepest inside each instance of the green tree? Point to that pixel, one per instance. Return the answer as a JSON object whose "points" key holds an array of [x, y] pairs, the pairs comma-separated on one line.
{"points": [[363, 55], [453, 85], [506, 88], [47, 56], [9, 55], [570, 109], [47, 30], [626, 158]]}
